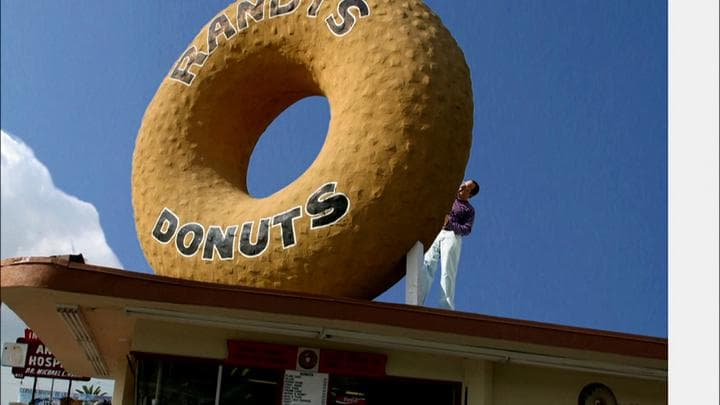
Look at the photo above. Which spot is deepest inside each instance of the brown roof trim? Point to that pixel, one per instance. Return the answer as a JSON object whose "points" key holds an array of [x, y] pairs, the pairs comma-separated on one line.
{"points": [[59, 273]]}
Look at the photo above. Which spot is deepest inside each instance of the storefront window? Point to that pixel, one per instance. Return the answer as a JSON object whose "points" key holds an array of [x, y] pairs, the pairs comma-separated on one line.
{"points": [[391, 391], [250, 386], [195, 382], [176, 382]]}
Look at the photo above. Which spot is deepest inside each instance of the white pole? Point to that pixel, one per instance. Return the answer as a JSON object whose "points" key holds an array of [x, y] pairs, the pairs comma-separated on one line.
{"points": [[218, 385], [413, 266]]}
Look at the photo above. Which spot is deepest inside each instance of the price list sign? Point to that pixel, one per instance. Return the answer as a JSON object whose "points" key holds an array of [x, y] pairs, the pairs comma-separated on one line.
{"points": [[304, 388]]}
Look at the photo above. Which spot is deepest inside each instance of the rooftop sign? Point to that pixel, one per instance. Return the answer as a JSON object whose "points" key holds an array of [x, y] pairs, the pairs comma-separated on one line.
{"points": [[396, 146]]}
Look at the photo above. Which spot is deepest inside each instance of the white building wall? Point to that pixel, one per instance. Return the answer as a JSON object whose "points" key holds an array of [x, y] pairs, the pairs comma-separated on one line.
{"points": [[522, 385]]}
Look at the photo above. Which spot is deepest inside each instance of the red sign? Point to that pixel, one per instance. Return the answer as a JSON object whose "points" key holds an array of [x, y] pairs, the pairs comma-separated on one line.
{"points": [[285, 357], [30, 335], [262, 355], [352, 363], [40, 362]]}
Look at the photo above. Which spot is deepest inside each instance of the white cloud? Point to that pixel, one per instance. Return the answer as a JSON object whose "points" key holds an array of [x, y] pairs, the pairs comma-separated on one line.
{"points": [[38, 219]]}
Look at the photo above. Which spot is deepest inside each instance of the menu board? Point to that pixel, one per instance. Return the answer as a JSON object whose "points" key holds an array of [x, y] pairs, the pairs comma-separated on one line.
{"points": [[304, 388]]}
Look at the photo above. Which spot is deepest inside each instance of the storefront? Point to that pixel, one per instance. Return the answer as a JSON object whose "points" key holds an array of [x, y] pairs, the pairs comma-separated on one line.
{"points": [[178, 380], [170, 341]]}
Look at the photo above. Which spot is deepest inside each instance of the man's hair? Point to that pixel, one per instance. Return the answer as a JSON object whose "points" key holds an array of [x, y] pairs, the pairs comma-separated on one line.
{"points": [[475, 189]]}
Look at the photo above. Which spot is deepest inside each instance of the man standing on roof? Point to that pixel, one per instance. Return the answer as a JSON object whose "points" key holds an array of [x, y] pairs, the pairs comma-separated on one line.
{"points": [[446, 247]]}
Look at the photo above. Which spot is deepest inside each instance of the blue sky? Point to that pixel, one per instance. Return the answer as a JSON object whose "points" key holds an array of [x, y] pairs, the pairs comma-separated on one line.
{"points": [[569, 142]]}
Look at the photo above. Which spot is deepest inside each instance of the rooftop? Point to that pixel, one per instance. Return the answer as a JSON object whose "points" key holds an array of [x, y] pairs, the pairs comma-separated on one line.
{"points": [[41, 289]]}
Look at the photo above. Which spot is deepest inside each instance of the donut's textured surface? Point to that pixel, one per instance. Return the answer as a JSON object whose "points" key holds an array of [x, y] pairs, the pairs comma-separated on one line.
{"points": [[398, 141]]}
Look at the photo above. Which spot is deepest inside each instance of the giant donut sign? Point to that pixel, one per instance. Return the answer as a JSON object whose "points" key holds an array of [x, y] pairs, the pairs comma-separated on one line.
{"points": [[397, 145]]}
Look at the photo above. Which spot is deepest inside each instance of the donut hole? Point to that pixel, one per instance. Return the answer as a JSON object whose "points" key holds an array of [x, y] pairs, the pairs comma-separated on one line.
{"points": [[233, 105], [288, 146]]}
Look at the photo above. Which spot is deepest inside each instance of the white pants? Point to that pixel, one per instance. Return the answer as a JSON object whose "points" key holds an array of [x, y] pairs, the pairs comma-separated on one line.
{"points": [[446, 249]]}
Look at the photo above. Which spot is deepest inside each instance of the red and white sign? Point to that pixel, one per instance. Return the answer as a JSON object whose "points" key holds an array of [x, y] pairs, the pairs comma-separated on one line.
{"points": [[40, 362]]}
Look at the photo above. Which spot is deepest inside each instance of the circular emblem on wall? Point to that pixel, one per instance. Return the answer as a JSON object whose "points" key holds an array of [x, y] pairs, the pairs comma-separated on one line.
{"points": [[397, 144], [596, 394], [307, 359]]}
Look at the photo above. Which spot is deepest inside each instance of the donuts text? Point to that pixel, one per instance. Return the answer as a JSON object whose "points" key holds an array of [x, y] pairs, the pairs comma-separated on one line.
{"points": [[324, 206]]}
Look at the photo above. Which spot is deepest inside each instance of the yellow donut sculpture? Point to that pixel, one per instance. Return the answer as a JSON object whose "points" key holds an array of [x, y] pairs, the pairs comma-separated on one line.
{"points": [[397, 144]]}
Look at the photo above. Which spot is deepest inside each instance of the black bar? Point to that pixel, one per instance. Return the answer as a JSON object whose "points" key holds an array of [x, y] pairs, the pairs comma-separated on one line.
{"points": [[32, 399]]}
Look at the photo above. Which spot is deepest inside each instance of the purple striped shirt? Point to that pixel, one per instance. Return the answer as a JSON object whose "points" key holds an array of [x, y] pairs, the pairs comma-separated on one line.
{"points": [[462, 216]]}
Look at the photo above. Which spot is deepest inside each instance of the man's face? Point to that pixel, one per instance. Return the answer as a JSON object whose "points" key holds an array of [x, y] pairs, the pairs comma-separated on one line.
{"points": [[465, 189]]}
